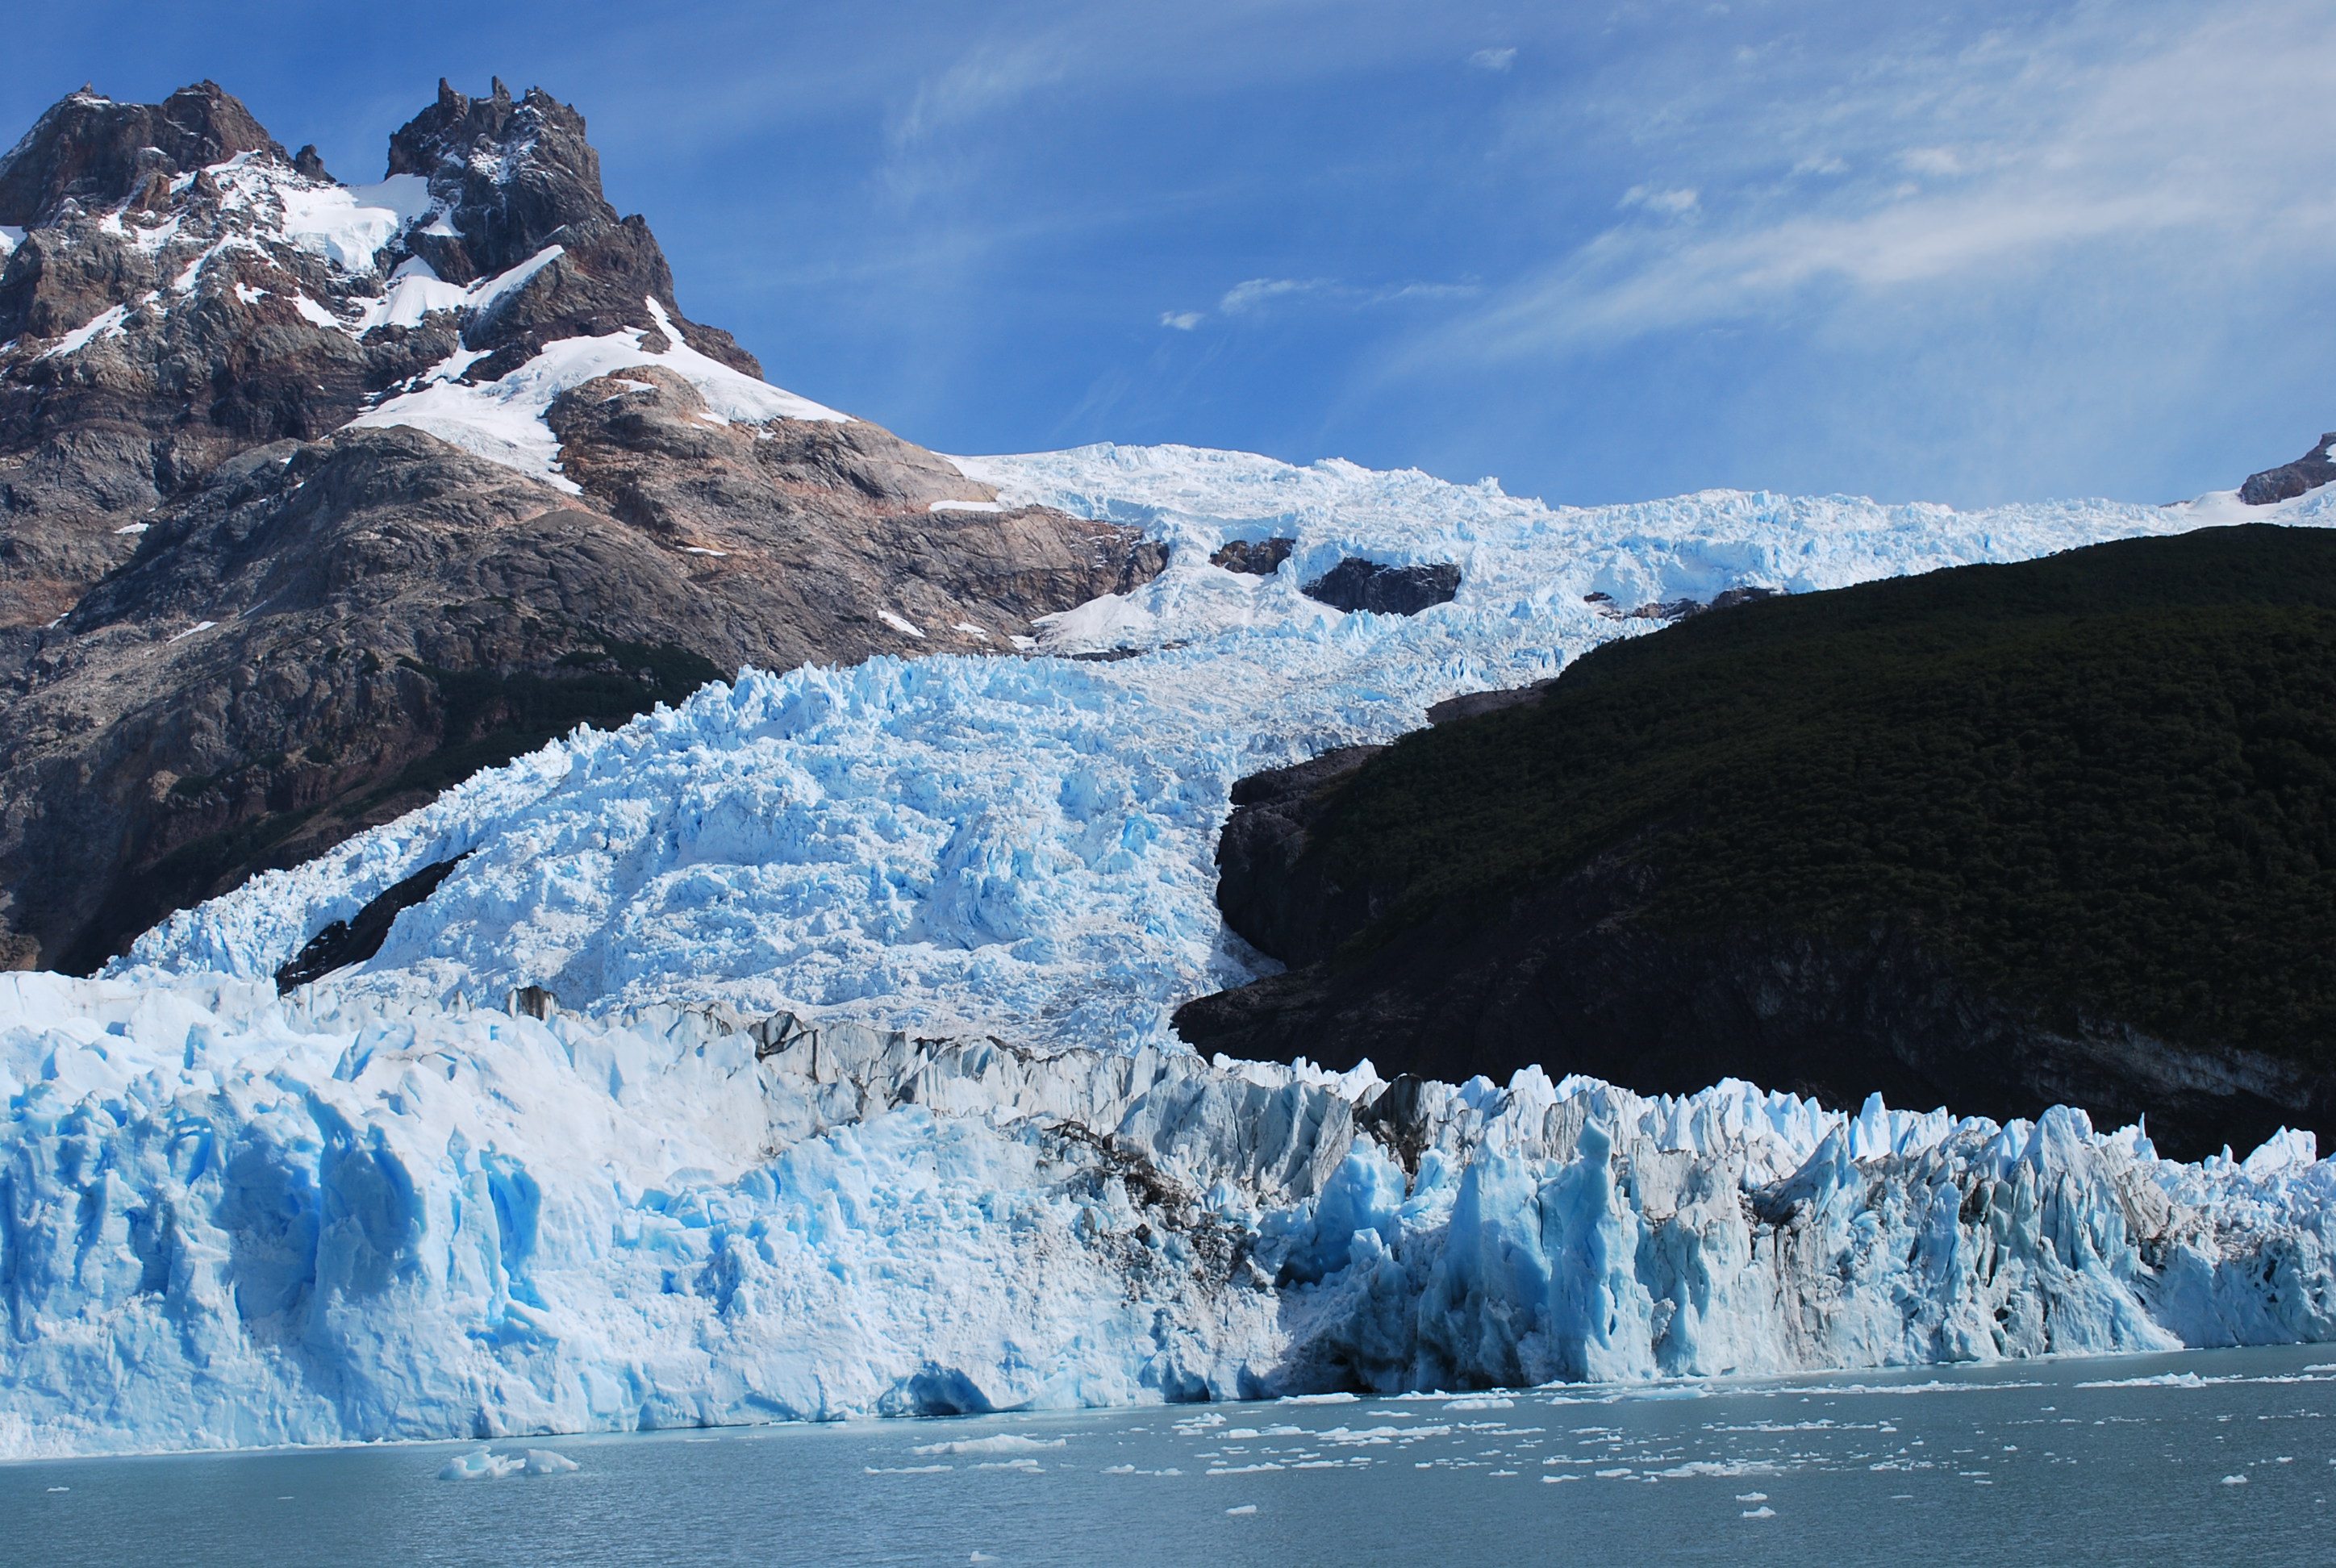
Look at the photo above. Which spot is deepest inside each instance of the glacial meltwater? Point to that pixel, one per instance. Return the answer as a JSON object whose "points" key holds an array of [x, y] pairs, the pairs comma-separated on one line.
{"points": [[2225, 1456]]}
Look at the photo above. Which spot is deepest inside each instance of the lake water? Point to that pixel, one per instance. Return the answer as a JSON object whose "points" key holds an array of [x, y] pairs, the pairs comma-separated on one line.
{"points": [[2203, 1457]]}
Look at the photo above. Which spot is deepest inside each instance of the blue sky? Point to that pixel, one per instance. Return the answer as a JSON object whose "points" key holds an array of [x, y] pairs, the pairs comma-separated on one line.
{"points": [[1968, 253]]}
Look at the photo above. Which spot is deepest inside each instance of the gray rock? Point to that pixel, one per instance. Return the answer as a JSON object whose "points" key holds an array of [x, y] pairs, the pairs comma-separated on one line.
{"points": [[1354, 584], [1254, 557], [2310, 471]]}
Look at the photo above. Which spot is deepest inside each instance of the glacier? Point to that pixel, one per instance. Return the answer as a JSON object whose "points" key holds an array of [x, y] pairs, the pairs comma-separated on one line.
{"points": [[1024, 846], [858, 1095], [229, 1219]]}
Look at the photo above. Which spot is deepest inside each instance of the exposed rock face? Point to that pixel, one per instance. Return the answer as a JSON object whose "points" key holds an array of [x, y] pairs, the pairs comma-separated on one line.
{"points": [[1253, 557], [234, 629], [1354, 584], [1566, 977], [1280, 903], [97, 153], [2310, 471]]}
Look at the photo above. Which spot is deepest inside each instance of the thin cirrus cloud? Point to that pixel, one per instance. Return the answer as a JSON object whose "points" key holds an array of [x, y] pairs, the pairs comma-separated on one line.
{"points": [[2217, 135], [1252, 297]]}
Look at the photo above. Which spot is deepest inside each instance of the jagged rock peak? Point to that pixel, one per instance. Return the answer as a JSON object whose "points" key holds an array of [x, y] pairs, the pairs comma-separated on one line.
{"points": [[89, 150], [2313, 469], [511, 173]]}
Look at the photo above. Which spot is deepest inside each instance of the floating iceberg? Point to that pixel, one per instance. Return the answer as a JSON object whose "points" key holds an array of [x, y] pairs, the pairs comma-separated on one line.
{"points": [[232, 1219]]}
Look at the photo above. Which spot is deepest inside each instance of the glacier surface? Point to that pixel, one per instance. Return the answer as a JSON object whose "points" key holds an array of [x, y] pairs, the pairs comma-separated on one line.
{"points": [[714, 1184], [229, 1220], [1024, 846]]}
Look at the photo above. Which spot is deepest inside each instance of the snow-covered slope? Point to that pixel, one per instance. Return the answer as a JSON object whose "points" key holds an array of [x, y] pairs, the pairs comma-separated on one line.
{"points": [[233, 1221], [1023, 846]]}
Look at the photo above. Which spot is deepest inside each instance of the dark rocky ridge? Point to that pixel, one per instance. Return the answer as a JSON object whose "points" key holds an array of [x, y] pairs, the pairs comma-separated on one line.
{"points": [[388, 612], [97, 153], [1253, 557], [1354, 584], [2308, 472], [1619, 946]]}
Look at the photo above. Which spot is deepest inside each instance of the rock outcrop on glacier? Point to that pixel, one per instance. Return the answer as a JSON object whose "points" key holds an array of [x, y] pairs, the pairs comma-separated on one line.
{"points": [[231, 1219], [1025, 847], [1999, 837], [315, 498], [2313, 469]]}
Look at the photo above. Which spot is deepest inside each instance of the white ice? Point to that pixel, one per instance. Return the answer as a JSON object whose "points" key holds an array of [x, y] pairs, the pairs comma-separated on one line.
{"points": [[1024, 846], [236, 1221]]}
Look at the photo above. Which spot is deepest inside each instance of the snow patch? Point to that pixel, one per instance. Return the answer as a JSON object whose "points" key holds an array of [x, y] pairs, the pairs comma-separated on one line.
{"points": [[502, 421], [107, 323], [345, 224]]}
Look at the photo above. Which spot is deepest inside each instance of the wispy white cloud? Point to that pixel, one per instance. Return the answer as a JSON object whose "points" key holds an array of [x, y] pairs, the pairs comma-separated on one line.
{"points": [[1654, 200], [1181, 320], [1494, 59], [1253, 296], [2216, 137], [1257, 291]]}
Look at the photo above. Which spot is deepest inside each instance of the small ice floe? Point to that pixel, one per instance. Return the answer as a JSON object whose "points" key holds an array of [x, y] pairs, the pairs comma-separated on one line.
{"points": [[1492, 1402], [60, 1488], [486, 1465], [906, 1469], [1244, 1508], [1762, 1512], [1004, 1443], [2234, 1480], [1553, 1480]]}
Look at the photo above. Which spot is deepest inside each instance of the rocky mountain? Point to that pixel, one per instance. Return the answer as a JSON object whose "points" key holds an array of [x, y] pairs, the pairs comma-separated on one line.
{"points": [[1999, 837], [2313, 469], [315, 498]]}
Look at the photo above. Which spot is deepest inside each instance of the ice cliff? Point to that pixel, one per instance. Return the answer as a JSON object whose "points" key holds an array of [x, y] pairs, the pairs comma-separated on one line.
{"points": [[227, 1220]]}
